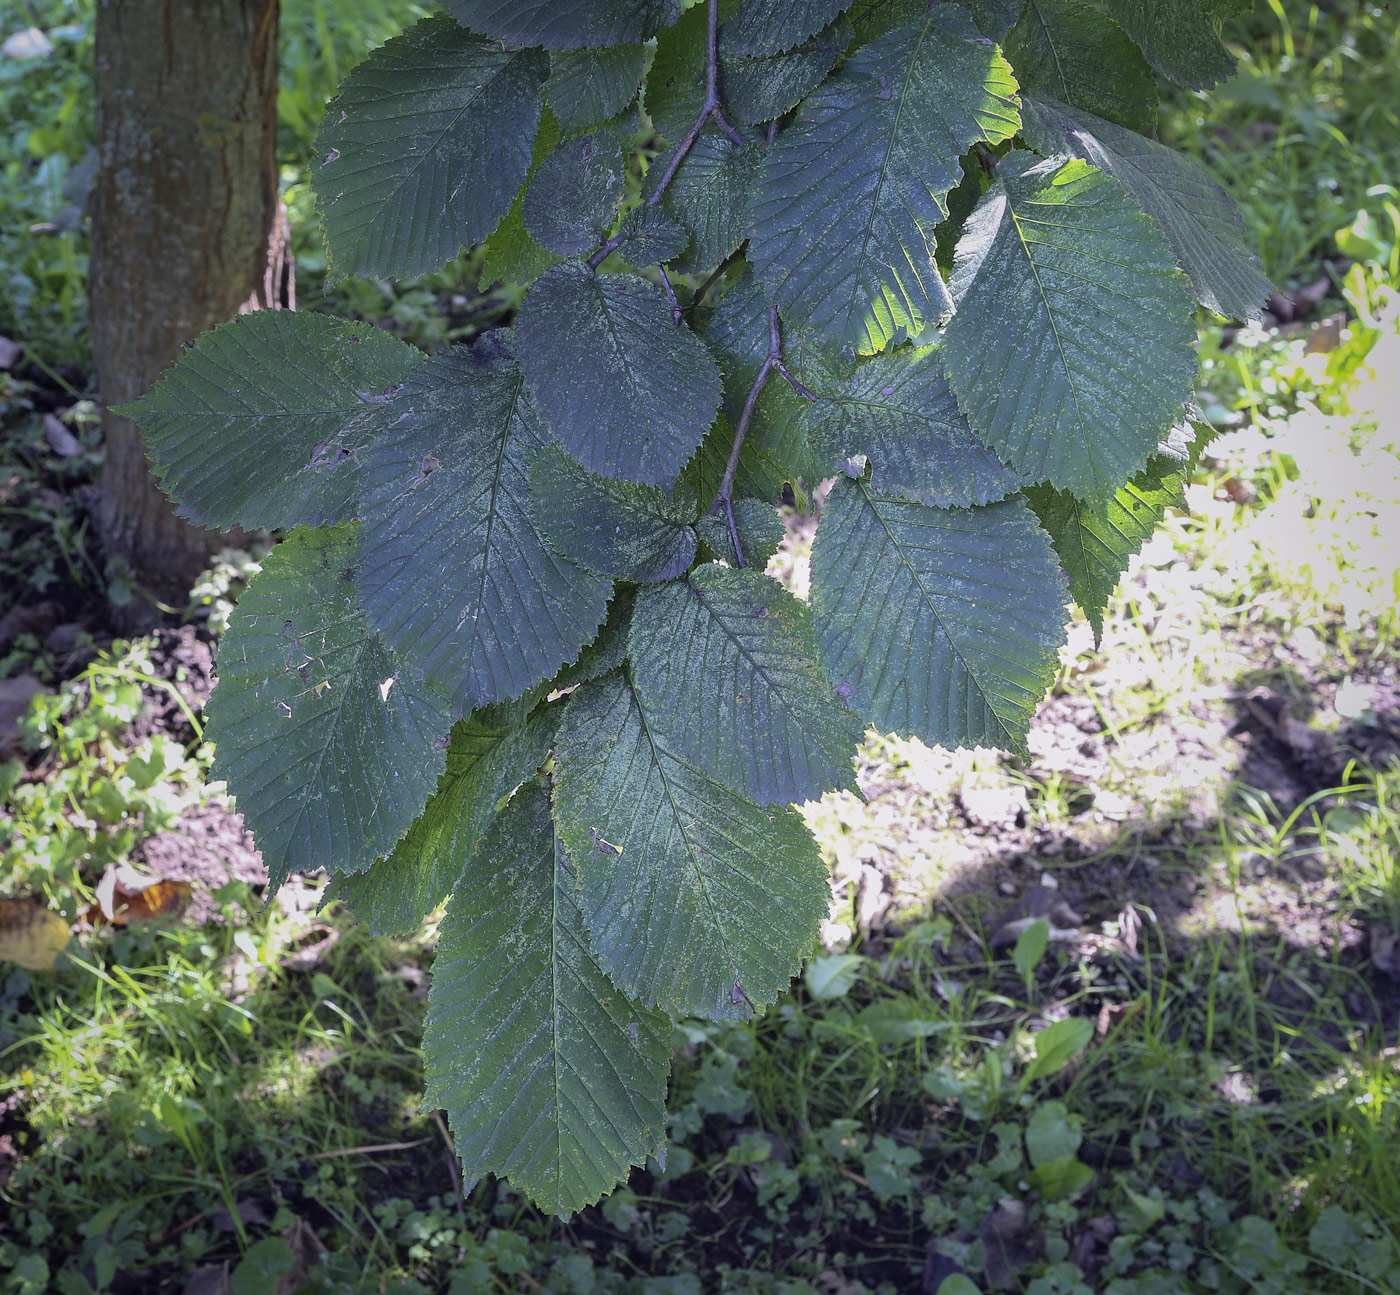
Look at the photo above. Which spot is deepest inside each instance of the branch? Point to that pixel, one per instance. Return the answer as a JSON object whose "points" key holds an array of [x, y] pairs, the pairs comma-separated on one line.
{"points": [[724, 496], [712, 107]]}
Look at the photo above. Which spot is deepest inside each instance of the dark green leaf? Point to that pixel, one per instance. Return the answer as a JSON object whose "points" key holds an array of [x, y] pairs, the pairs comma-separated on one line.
{"points": [[898, 410], [455, 574], [942, 624], [1199, 219], [328, 742], [548, 1075], [263, 422], [698, 900], [727, 666], [760, 528], [763, 89], [491, 752], [1179, 38], [1074, 53], [616, 528], [711, 197], [763, 27], [627, 391], [993, 17], [565, 24], [1073, 347], [575, 194], [434, 121], [650, 236], [587, 87], [843, 224]]}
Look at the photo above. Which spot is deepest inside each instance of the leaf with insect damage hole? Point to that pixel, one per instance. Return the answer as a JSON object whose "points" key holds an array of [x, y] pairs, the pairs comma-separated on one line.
{"points": [[699, 901], [616, 528], [1096, 543], [490, 753], [575, 193], [898, 410], [587, 87], [1200, 220], [549, 1076], [731, 677], [263, 422], [1179, 38], [455, 573], [1076, 54], [565, 24], [938, 623], [628, 392], [843, 223], [1072, 351], [425, 148], [326, 739]]}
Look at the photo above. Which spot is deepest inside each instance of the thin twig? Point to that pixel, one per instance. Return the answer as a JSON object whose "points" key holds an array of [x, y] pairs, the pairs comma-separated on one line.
{"points": [[670, 294], [367, 1151], [724, 496], [712, 107], [716, 276]]}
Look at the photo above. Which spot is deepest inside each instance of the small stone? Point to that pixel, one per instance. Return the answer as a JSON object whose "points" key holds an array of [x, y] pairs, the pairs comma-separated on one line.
{"points": [[60, 440]]}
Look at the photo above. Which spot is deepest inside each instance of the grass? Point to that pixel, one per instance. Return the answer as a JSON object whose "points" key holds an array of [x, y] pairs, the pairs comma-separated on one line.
{"points": [[1195, 1089]]}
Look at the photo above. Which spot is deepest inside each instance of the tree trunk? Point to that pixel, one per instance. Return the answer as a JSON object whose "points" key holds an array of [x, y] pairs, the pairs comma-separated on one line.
{"points": [[187, 232]]}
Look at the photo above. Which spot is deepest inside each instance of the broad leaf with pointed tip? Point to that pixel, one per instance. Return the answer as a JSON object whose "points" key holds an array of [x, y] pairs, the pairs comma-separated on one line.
{"points": [[627, 391], [326, 740], [510, 255], [565, 24], [727, 665], [699, 901], [491, 752], [938, 623], [843, 224], [548, 1075], [1078, 55], [455, 573], [434, 121], [616, 528], [1073, 347], [263, 421], [898, 410], [1096, 543], [1199, 219], [587, 87], [1179, 38]]}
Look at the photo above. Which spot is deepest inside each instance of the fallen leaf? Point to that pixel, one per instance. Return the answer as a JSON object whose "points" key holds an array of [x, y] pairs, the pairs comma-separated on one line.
{"points": [[125, 896], [30, 934]]}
